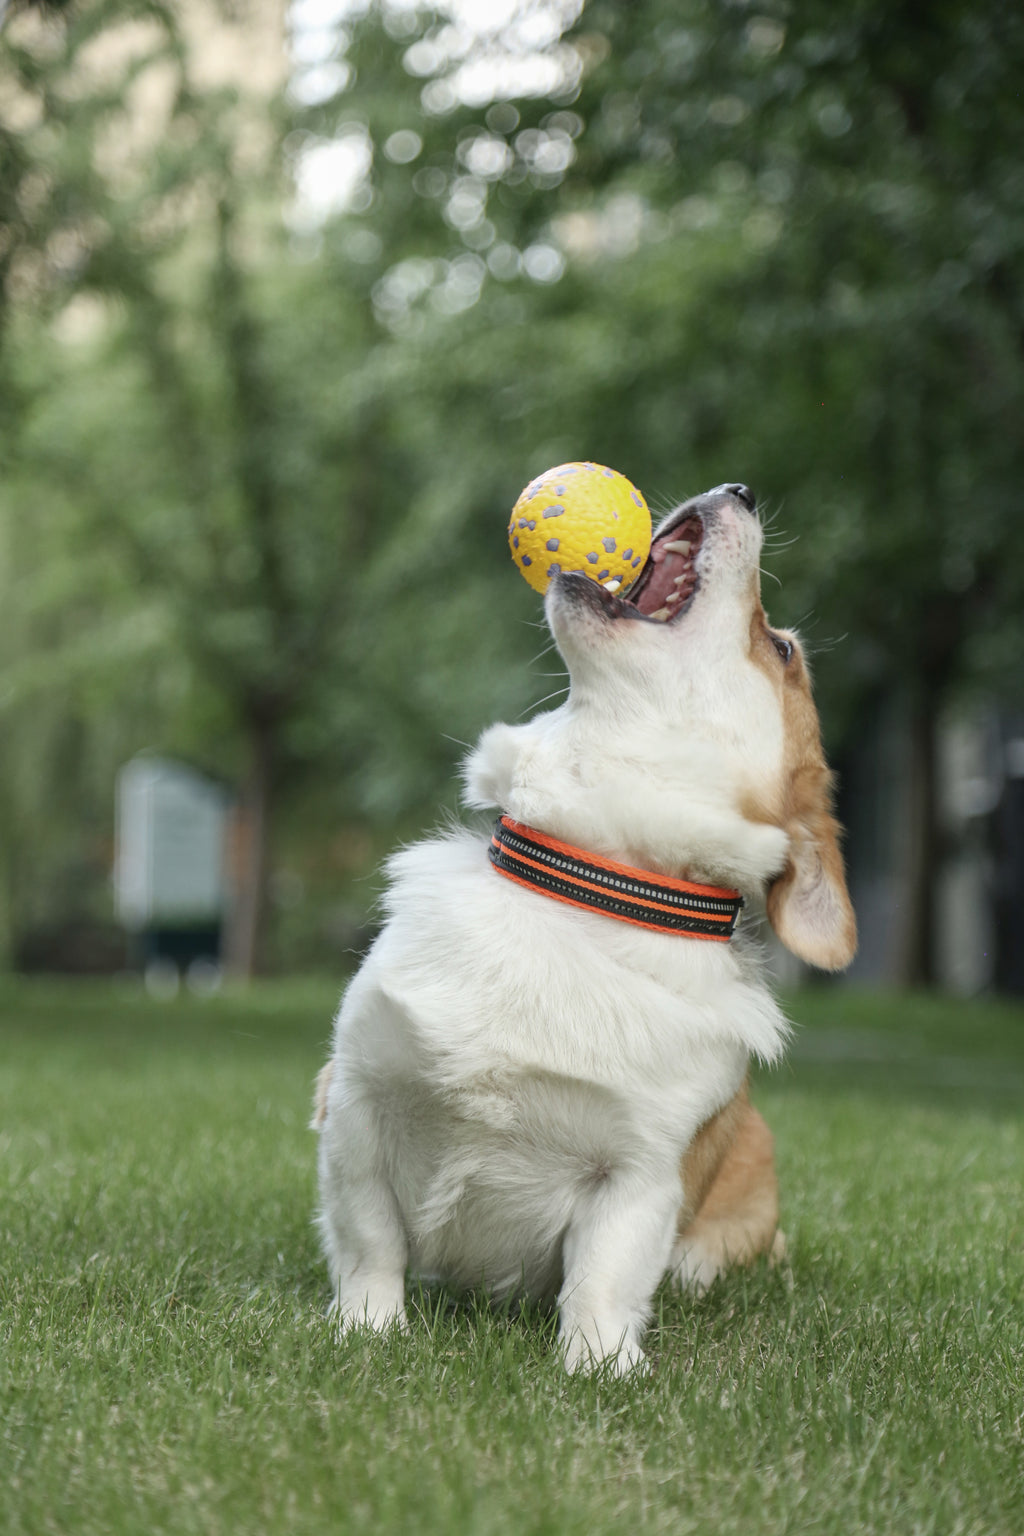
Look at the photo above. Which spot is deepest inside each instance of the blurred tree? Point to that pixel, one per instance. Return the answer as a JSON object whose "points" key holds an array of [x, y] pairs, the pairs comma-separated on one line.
{"points": [[795, 257], [230, 424], [875, 340], [768, 243], [61, 741], [188, 459]]}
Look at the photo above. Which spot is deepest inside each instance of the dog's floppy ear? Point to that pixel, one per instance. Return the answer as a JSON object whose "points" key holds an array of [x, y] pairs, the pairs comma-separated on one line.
{"points": [[808, 904]]}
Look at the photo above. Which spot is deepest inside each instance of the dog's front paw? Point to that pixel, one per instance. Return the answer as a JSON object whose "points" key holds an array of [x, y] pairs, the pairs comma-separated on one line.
{"points": [[349, 1320], [585, 1352], [378, 1311]]}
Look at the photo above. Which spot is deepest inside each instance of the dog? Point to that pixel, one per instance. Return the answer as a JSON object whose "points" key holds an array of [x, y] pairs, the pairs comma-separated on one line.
{"points": [[539, 1076]]}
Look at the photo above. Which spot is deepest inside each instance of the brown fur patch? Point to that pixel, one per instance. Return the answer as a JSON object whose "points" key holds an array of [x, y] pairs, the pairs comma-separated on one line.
{"points": [[808, 905], [703, 1157], [737, 1217]]}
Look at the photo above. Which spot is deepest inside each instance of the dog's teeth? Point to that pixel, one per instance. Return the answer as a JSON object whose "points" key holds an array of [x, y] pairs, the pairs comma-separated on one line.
{"points": [[680, 579], [660, 613], [613, 585], [679, 547], [673, 597]]}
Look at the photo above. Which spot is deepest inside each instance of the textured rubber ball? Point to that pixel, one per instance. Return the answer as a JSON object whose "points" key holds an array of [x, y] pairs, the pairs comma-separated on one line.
{"points": [[580, 517]]}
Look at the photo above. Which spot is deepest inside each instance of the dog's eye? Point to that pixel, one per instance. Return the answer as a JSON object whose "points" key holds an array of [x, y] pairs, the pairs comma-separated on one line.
{"points": [[784, 648]]}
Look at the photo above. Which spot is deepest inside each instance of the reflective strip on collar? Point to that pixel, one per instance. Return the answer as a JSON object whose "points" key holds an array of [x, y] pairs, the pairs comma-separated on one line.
{"points": [[632, 895]]}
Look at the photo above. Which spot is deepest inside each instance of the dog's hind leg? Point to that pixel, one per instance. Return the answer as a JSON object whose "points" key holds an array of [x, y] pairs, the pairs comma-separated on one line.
{"points": [[363, 1232], [731, 1211]]}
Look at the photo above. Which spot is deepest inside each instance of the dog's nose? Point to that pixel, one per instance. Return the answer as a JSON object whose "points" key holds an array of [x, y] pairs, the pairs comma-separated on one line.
{"points": [[742, 493]]}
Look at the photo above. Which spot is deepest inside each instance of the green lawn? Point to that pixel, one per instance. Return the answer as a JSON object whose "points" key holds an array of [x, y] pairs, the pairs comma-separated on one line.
{"points": [[165, 1365]]}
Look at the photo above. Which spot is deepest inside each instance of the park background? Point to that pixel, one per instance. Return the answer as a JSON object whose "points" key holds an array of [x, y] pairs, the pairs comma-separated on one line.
{"points": [[295, 299]]}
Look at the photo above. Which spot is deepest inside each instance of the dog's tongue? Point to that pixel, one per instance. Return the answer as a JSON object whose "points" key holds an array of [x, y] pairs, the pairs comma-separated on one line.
{"points": [[670, 578]]}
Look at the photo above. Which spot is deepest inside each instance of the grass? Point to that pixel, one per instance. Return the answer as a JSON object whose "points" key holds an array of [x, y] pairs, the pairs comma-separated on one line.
{"points": [[165, 1365]]}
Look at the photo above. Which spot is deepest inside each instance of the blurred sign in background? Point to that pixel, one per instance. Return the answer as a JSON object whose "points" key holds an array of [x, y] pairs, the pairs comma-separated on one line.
{"points": [[294, 299], [171, 887]]}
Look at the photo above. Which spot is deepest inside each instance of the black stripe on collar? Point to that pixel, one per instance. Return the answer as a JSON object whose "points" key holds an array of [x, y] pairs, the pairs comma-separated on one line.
{"points": [[589, 880]]}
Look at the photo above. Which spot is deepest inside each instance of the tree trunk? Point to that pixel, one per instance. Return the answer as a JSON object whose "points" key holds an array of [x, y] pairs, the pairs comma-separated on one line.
{"points": [[246, 929]]}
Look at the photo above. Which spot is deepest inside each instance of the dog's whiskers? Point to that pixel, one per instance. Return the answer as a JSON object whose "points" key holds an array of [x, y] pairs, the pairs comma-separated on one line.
{"points": [[818, 646], [769, 519], [558, 693], [662, 504], [541, 654]]}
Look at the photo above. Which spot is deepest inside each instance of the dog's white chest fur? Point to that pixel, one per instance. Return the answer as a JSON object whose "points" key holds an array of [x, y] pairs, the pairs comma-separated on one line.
{"points": [[558, 1063]]}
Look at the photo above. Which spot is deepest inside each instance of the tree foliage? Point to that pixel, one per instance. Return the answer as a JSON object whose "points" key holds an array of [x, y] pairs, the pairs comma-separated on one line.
{"points": [[260, 449]]}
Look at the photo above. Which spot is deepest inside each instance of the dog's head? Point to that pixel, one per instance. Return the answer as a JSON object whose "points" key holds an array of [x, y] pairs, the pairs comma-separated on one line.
{"points": [[690, 741]]}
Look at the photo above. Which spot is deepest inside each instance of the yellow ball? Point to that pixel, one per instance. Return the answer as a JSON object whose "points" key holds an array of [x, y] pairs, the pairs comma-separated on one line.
{"points": [[580, 517]]}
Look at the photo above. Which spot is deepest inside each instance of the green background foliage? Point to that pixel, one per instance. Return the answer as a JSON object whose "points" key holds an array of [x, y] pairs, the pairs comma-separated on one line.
{"points": [[257, 464]]}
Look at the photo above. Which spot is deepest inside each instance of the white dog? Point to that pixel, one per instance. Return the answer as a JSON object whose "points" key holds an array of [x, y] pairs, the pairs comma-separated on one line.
{"points": [[539, 1074]]}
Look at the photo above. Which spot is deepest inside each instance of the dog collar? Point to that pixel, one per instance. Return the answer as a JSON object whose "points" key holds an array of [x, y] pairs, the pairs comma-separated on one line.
{"points": [[589, 880]]}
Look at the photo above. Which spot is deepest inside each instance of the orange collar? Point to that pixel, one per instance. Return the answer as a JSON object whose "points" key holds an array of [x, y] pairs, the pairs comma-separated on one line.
{"points": [[590, 880]]}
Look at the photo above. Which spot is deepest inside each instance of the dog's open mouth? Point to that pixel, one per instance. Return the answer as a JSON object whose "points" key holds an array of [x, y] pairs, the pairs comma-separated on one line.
{"points": [[669, 579], [665, 586]]}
